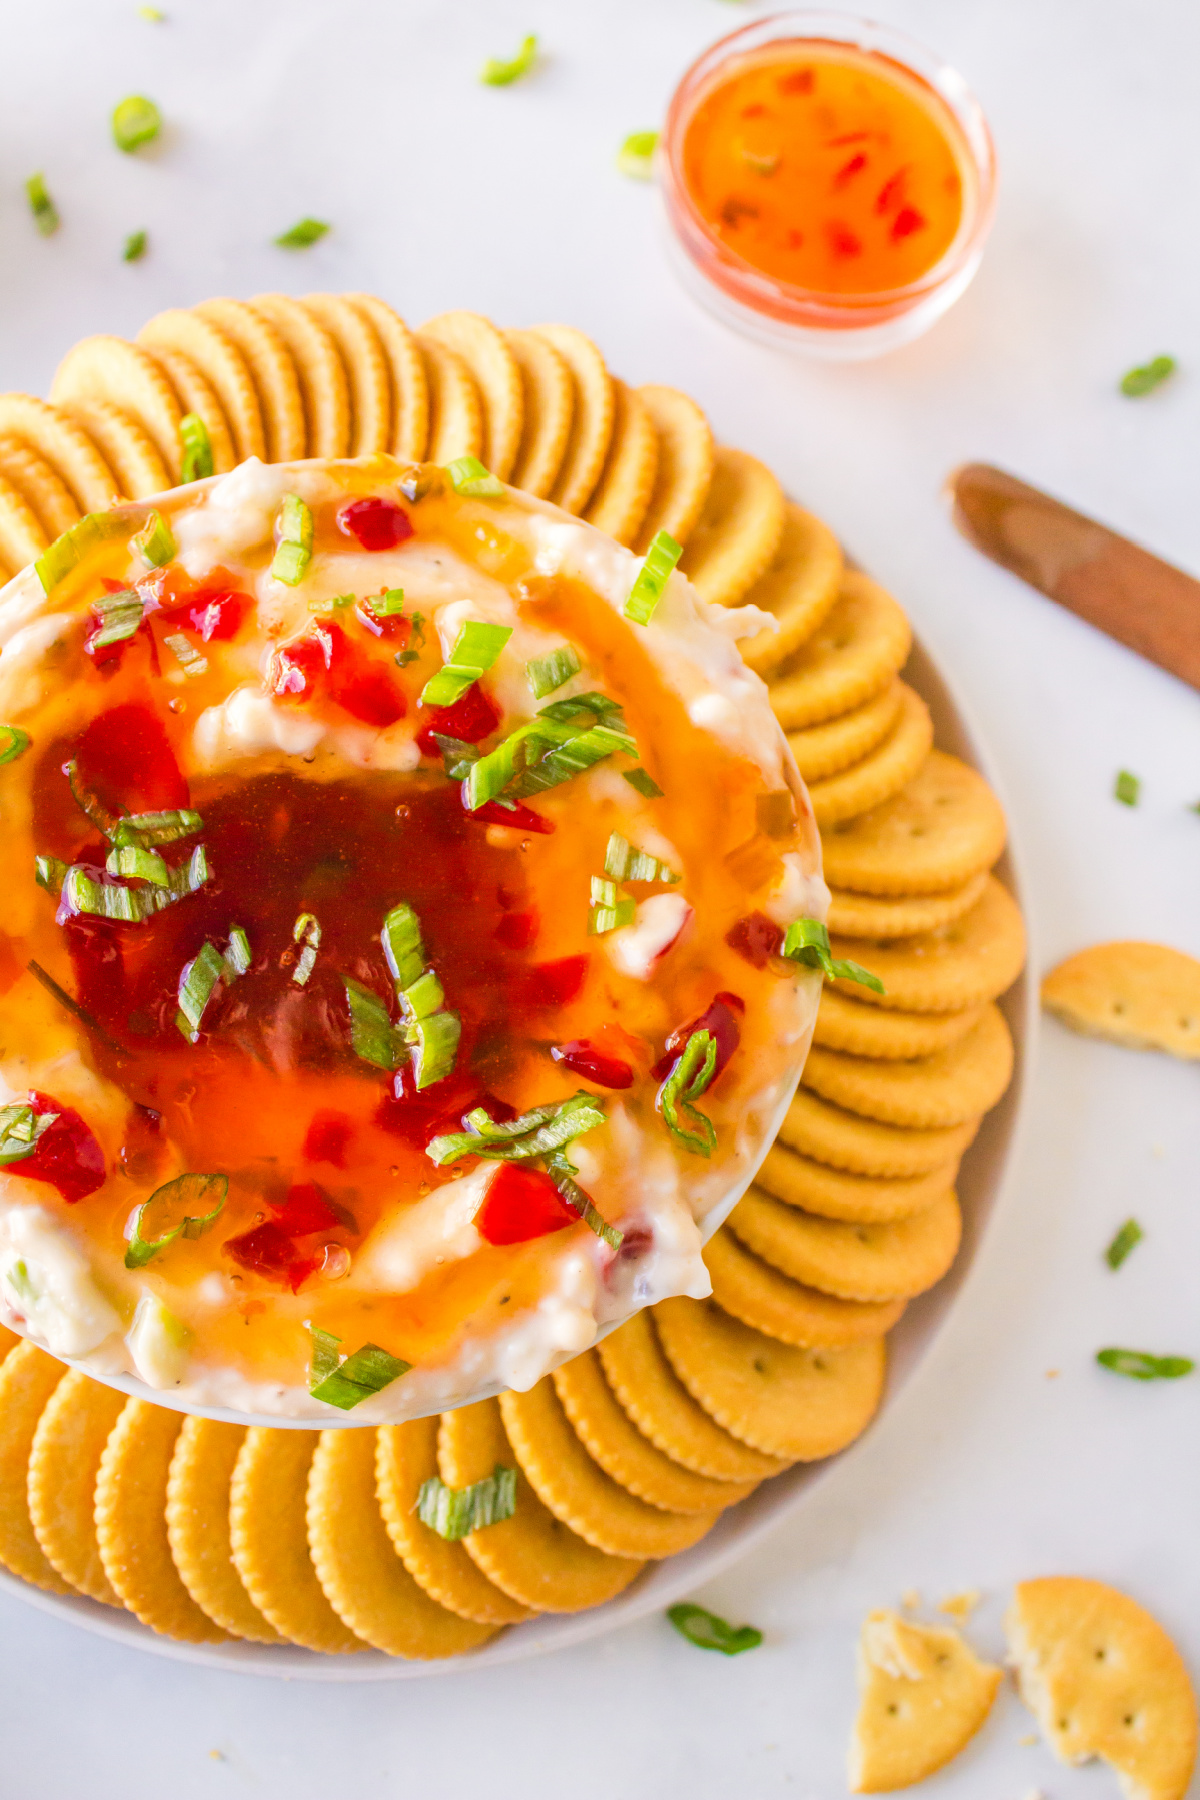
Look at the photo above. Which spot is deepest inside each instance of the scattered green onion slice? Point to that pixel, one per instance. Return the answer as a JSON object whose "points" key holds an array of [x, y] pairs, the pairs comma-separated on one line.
{"points": [[373, 1037], [431, 1031], [807, 941], [475, 650], [134, 247], [655, 572], [347, 1383], [49, 873], [1127, 788], [1126, 1240], [402, 946], [13, 743], [154, 543], [303, 234], [146, 829], [546, 673], [435, 1045], [307, 931], [565, 739], [562, 1173], [454, 1512], [687, 1081], [387, 604], [458, 759], [120, 614], [498, 73], [81, 893], [238, 956], [45, 213], [22, 1284], [294, 537], [338, 603], [324, 1359], [197, 449], [1147, 376], [155, 15], [636, 155], [77, 542], [423, 996], [708, 1632], [204, 1193], [624, 863], [644, 783], [135, 121], [186, 655], [197, 983], [469, 476], [1141, 1365], [20, 1129], [537, 1133], [609, 910], [90, 804], [142, 865]]}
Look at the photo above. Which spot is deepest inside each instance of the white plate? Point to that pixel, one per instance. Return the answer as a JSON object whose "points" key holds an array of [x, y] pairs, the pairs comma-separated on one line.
{"points": [[981, 1185]]}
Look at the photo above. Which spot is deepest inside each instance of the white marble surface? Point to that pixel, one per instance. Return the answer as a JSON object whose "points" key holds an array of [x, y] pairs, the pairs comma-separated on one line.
{"points": [[444, 193]]}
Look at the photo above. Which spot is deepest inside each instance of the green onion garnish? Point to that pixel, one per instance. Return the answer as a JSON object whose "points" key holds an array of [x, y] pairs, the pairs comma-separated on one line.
{"points": [[45, 213], [708, 1632], [1126, 1240], [566, 738], [155, 16], [303, 234], [204, 1193], [458, 759], [434, 1045], [562, 1174], [81, 893], [469, 476], [424, 996], [655, 572], [142, 865], [307, 931], [609, 910], [644, 783], [13, 743], [146, 829], [134, 247], [497, 73], [349, 1382], [537, 1133], [387, 604], [135, 121], [324, 1359], [20, 1129], [402, 946], [1127, 788], [1140, 1365], [686, 1082], [807, 942], [454, 1512], [416, 642], [186, 654], [294, 536], [90, 803], [475, 650], [545, 673], [197, 449], [373, 1037], [77, 542], [120, 615], [431, 1031], [49, 873], [624, 863], [154, 543], [1147, 376], [338, 603], [636, 155], [238, 955], [197, 983]]}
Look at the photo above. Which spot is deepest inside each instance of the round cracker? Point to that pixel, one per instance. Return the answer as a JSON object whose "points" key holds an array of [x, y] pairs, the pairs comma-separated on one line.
{"points": [[8, 1341], [860, 1146], [366, 369], [455, 409], [865, 1199], [365, 1581], [405, 1458], [802, 1404], [686, 459], [6, 574], [39, 485], [842, 1024], [109, 368], [206, 1453], [627, 480], [862, 642], [273, 372], [66, 447], [1145, 996], [947, 1088], [896, 1261], [614, 1441], [533, 1556], [907, 915], [128, 449], [549, 404], [738, 531], [591, 416], [131, 1524], [197, 395], [324, 389], [497, 375], [941, 829], [64, 1463], [28, 1379], [800, 588], [406, 373], [971, 960], [22, 538], [753, 1291], [882, 773], [268, 1536], [923, 1696], [660, 1406], [222, 364], [824, 750], [577, 1491]]}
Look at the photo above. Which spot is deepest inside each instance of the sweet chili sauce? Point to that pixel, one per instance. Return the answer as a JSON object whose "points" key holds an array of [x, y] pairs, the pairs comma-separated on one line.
{"points": [[826, 167]]}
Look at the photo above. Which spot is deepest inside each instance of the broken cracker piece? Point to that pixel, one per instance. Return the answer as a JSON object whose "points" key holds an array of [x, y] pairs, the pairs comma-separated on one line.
{"points": [[924, 1695], [1145, 996]]}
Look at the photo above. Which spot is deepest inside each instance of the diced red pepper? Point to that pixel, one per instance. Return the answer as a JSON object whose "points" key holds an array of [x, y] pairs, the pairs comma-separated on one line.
{"points": [[378, 524], [587, 1059], [267, 1250], [517, 930], [721, 1018], [799, 81], [357, 683], [757, 938], [417, 1117], [842, 241], [305, 1209], [517, 817], [472, 718], [906, 221], [521, 1204], [297, 668], [67, 1154], [327, 1137], [215, 613], [555, 983], [125, 757], [892, 191], [849, 170]]}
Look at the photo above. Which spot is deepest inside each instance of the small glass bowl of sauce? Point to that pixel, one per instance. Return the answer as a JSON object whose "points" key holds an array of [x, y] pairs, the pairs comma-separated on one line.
{"points": [[828, 183]]}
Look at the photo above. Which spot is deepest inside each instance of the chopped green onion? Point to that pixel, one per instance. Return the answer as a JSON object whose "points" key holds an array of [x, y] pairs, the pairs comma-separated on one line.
{"points": [[550, 749], [402, 946], [20, 1130], [423, 996], [807, 941], [435, 1046], [197, 449], [146, 829], [537, 1133], [82, 894], [497, 73], [545, 673], [207, 1193], [609, 910], [13, 743], [337, 604], [458, 758], [1127, 788], [1140, 1365], [135, 121], [294, 537], [416, 642], [49, 873], [155, 16], [562, 1174], [346, 1384], [655, 572], [708, 1632], [387, 604], [45, 213], [686, 1082], [143, 865], [238, 955], [475, 650], [22, 1284], [469, 476], [325, 1357], [303, 234], [644, 783], [90, 803], [77, 542], [636, 155], [373, 1037], [1145, 378], [186, 654], [120, 614], [154, 543], [455, 1512], [306, 930], [197, 982], [624, 863], [134, 247], [1126, 1240]]}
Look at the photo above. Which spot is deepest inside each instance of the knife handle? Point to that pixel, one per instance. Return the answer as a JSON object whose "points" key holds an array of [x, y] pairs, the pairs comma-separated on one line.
{"points": [[1114, 584]]}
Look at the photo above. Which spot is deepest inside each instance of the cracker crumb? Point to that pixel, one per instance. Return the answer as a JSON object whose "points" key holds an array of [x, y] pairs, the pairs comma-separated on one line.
{"points": [[1158, 1151], [1031, 1737], [1053, 1374], [910, 1600], [959, 1607], [217, 1755]]}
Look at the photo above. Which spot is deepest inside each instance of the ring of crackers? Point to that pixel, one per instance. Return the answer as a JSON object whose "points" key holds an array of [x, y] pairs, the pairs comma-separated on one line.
{"points": [[895, 1261]]}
